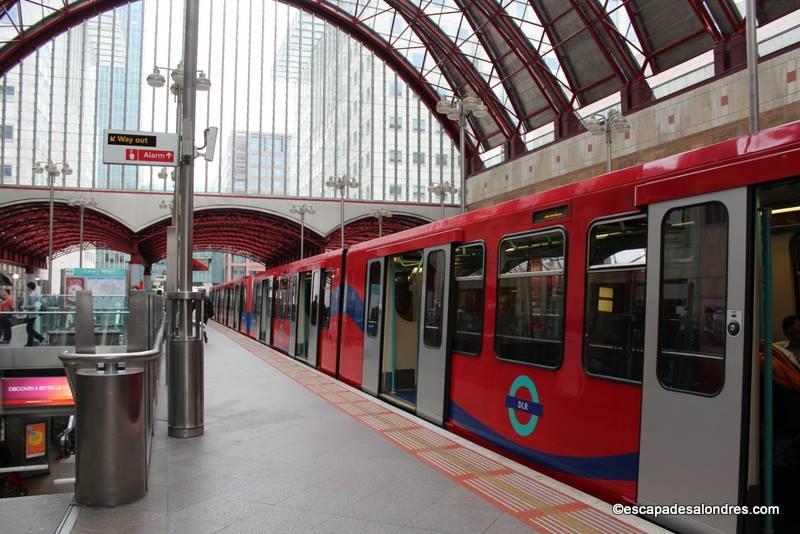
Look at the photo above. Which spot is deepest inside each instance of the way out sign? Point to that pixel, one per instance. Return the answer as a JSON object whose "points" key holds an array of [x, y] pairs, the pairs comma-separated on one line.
{"points": [[127, 147]]}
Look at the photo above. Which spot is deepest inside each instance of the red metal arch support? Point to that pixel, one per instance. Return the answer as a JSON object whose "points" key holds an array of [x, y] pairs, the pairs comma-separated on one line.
{"points": [[50, 27]]}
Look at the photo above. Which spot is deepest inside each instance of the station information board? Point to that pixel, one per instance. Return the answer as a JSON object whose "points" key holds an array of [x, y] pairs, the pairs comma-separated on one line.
{"points": [[129, 147]]}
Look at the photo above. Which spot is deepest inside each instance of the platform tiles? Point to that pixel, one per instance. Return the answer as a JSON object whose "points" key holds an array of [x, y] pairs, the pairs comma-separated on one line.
{"points": [[544, 504]]}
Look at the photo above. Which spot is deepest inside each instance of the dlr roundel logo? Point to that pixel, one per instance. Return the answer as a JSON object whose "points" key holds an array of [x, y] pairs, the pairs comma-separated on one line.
{"points": [[523, 406]]}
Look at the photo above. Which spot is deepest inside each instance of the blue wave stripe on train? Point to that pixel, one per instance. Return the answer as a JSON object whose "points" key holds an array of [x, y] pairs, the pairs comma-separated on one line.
{"points": [[614, 467], [353, 306]]}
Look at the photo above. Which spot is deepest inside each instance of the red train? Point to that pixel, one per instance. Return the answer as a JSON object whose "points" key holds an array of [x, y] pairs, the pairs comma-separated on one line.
{"points": [[605, 332]]}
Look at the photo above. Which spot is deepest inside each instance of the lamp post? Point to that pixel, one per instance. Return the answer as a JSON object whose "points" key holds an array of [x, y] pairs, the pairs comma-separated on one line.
{"points": [[457, 109], [600, 124], [52, 172], [380, 213], [156, 80], [443, 189], [82, 204], [302, 210], [341, 184]]}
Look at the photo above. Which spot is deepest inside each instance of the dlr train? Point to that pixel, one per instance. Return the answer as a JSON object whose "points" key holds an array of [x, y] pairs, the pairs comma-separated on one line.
{"points": [[609, 333]]}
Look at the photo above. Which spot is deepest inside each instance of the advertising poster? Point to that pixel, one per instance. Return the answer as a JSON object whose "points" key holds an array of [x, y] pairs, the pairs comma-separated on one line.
{"points": [[36, 391], [101, 282], [35, 440]]}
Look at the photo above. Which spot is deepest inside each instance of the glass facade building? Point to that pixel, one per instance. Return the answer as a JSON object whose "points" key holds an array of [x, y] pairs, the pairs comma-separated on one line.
{"points": [[295, 99]]}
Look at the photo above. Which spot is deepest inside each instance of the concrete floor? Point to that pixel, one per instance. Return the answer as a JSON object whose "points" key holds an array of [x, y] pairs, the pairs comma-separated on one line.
{"points": [[275, 457]]}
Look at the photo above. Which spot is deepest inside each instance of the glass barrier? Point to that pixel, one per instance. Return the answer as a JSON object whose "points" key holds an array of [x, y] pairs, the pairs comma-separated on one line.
{"points": [[53, 324]]}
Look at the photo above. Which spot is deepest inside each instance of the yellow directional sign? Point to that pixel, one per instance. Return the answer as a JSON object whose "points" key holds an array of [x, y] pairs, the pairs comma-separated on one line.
{"points": [[132, 140]]}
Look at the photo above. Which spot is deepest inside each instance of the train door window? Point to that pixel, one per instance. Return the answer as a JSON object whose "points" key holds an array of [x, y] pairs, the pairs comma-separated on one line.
{"points": [[434, 295], [293, 298], [401, 327], [530, 299], [256, 298], [468, 264], [314, 313], [615, 299], [303, 314], [373, 299], [694, 281], [280, 298], [325, 299]]}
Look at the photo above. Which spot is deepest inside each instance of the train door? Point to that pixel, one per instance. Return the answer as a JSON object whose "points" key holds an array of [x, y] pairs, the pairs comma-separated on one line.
{"points": [[294, 280], [237, 306], [255, 317], [433, 341], [228, 307], [373, 326], [313, 320], [303, 315], [401, 328], [265, 326], [696, 329]]}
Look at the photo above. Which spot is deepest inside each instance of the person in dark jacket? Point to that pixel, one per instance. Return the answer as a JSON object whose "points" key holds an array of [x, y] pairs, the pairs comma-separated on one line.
{"points": [[208, 313]]}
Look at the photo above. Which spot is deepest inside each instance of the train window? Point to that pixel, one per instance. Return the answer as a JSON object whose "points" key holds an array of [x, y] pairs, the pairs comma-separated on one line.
{"points": [[314, 299], [615, 299], [468, 264], [293, 281], [694, 280], [325, 298], [530, 299], [374, 296], [434, 295], [280, 299]]}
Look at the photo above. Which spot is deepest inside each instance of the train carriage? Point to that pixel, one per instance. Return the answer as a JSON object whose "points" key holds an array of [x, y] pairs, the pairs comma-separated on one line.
{"points": [[606, 332]]}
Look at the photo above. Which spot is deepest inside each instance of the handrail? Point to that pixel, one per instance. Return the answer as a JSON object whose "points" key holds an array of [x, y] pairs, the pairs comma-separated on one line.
{"points": [[112, 357]]}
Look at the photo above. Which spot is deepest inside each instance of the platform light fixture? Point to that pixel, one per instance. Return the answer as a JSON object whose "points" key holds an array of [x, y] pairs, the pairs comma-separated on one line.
{"points": [[442, 190], [82, 204], [600, 124], [52, 171], [379, 214], [157, 80], [457, 109], [341, 184], [302, 210]]}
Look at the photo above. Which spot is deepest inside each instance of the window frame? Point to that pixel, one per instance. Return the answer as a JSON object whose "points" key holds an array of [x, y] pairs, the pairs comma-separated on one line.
{"points": [[536, 231], [606, 220], [724, 358], [457, 279]]}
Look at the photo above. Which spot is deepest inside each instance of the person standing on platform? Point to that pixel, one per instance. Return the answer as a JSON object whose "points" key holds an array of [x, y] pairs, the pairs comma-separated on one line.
{"points": [[208, 313], [6, 306], [32, 304]]}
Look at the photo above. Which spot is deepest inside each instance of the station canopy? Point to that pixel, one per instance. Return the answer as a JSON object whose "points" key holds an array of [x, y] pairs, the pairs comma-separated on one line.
{"points": [[532, 63]]}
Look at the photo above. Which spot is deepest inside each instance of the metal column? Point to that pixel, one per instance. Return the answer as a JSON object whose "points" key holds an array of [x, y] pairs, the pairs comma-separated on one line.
{"points": [[752, 63], [186, 405]]}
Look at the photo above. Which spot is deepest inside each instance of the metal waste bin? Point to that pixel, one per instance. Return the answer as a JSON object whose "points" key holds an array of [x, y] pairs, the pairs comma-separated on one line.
{"points": [[111, 459]]}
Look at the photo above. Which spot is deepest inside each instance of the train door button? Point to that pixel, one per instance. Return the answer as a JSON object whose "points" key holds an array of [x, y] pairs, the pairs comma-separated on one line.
{"points": [[734, 322]]}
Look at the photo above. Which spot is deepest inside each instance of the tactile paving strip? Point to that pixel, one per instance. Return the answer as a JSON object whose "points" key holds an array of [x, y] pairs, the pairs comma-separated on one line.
{"points": [[544, 508]]}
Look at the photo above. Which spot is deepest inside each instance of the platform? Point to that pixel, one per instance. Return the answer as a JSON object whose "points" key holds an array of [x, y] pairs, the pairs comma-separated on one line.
{"points": [[288, 449]]}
